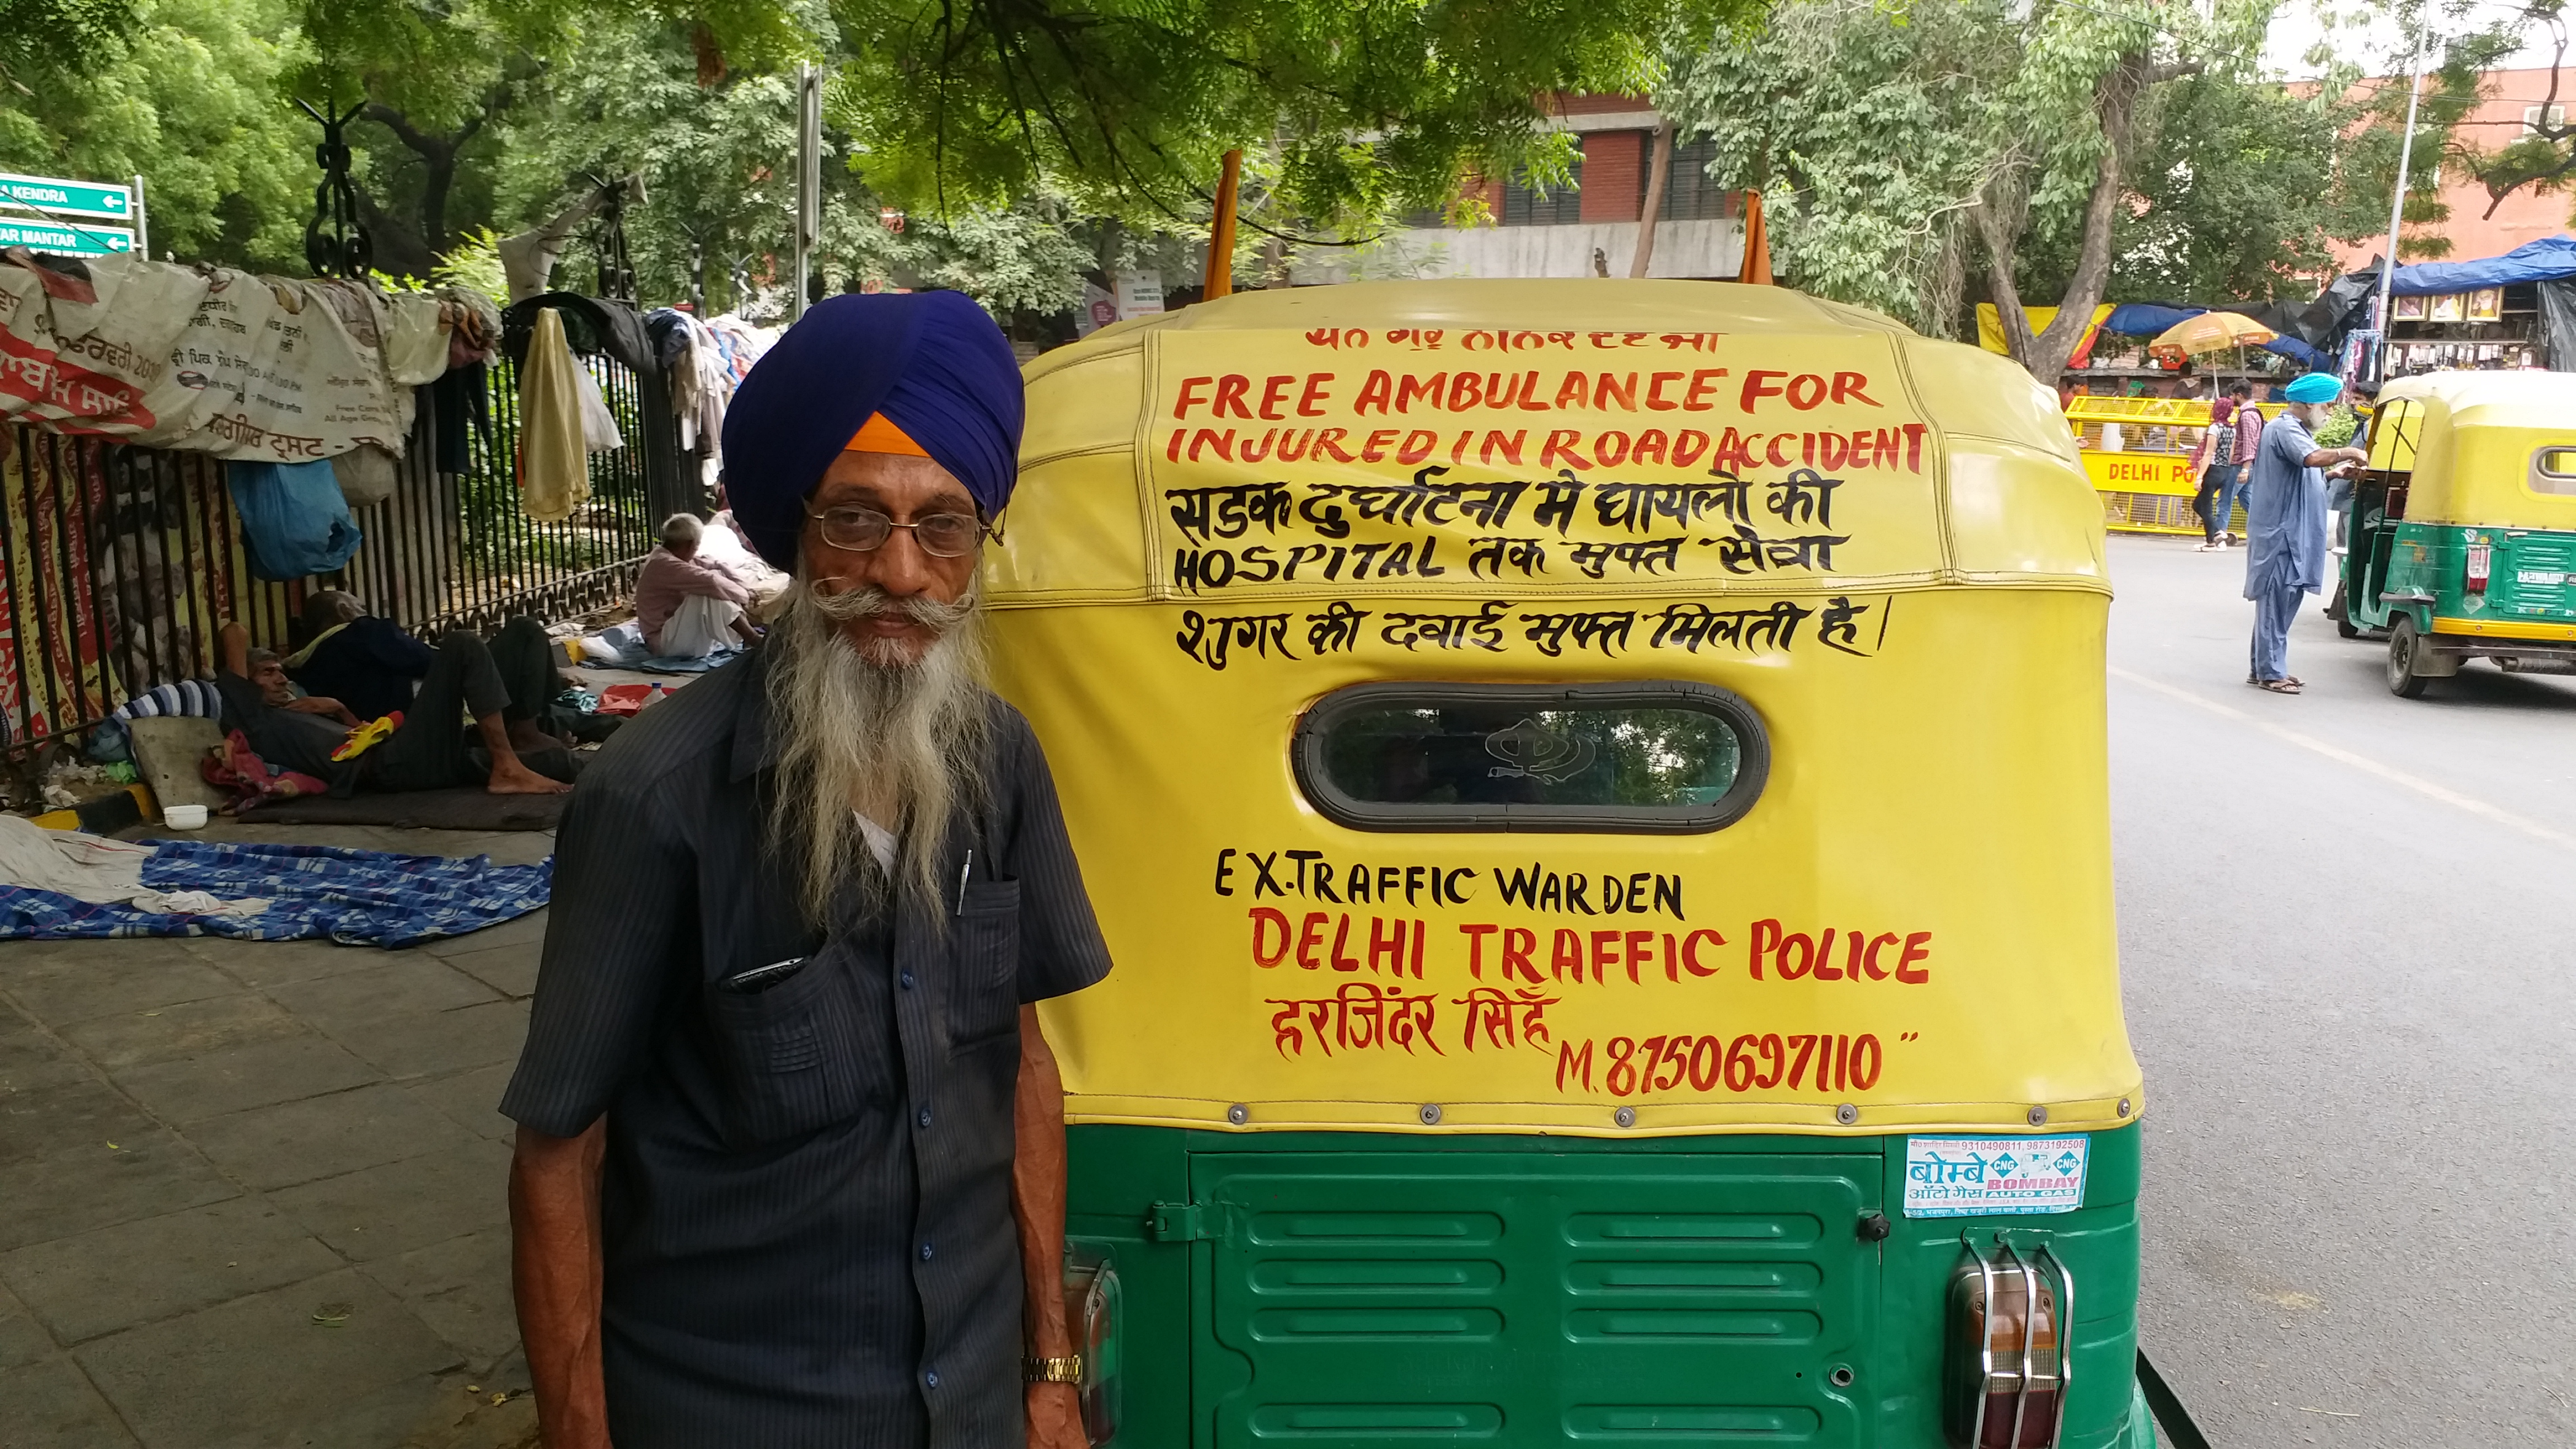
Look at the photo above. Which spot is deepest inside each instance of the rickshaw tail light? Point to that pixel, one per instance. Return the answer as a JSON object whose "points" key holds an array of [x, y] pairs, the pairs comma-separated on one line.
{"points": [[2010, 1353], [2480, 556]]}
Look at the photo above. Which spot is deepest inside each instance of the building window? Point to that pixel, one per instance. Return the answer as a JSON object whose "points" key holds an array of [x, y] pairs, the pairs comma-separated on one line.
{"points": [[1689, 194], [2532, 122], [1524, 205]]}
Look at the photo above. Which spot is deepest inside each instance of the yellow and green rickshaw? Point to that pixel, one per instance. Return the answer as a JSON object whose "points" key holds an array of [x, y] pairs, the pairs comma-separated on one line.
{"points": [[2463, 541], [1597, 793]]}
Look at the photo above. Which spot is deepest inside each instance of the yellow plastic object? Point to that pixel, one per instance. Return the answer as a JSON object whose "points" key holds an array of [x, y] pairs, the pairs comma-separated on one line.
{"points": [[367, 736], [2470, 440], [1930, 684]]}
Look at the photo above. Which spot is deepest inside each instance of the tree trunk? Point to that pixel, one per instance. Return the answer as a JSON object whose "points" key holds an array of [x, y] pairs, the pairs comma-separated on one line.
{"points": [[1661, 166], [2045, 355], [438, 155], [398, 249]]}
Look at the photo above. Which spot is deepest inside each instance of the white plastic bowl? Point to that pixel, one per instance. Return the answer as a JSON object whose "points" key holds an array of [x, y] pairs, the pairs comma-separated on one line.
{"points": [[185, 817]]}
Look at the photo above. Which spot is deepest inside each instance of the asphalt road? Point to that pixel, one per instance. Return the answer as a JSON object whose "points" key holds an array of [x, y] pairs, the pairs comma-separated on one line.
{"points": [[2348, 942]]}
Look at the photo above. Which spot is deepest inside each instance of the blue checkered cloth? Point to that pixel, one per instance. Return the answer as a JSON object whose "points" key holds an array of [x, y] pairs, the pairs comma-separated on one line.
{"points": [[354, 897]]}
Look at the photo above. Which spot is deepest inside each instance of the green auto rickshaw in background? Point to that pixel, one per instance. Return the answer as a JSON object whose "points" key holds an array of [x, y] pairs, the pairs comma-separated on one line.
{"points": [[2463, 538]]}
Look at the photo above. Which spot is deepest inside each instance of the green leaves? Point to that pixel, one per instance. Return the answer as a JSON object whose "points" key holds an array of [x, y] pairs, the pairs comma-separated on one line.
{"points": [[1364, 106]]}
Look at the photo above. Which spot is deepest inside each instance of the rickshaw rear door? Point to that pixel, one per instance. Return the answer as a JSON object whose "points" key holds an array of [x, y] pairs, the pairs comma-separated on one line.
{"points": [[1499, 1297]]}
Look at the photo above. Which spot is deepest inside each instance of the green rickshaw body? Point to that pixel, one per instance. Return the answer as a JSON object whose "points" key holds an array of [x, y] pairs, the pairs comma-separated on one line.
{"points": [[2463, 541]]}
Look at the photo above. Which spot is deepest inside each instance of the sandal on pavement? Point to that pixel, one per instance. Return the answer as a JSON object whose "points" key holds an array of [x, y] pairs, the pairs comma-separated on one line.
{"points": [[2278, 686]]}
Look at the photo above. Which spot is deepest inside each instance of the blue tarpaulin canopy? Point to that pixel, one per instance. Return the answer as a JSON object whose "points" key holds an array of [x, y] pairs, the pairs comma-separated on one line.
{"points": [[2545, 260], [2147, 319]]}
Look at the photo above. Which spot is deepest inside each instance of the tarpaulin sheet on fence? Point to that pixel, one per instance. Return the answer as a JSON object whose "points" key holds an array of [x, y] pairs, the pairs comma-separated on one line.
{"points": [[355, 897], [205, 360]]}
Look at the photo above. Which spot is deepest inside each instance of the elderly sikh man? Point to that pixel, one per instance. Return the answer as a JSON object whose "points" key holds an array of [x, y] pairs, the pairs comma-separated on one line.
{"points": [[2285, 524], [790, 1164]]}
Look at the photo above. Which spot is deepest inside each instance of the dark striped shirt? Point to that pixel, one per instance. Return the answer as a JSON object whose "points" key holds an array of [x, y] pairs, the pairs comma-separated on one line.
{"points": [[806, 1205]]}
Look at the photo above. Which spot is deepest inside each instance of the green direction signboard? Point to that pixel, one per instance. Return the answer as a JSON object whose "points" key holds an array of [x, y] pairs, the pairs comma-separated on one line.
{"points": [[68, 198], [65, 238]]}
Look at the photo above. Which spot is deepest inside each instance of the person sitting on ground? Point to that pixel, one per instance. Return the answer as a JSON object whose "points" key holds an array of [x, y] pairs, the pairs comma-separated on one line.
{"points": [[688, 606], [725, 543], [373, 667], [428, 751]]}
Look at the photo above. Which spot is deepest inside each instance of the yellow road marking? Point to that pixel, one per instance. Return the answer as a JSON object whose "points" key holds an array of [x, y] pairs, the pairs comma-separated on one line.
{"points": [[2363, 763]]}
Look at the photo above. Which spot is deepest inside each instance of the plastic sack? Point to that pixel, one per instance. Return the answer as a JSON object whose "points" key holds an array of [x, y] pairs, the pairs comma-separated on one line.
{"points": [[294, 520]]}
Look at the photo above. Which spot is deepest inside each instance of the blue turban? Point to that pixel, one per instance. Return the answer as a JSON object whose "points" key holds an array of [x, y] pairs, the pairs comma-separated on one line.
{"points": [[2314, 387], [932, 362]]}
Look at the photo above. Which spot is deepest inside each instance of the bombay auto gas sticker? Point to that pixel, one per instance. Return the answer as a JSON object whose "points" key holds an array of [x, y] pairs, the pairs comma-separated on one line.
{"points": [[1716, 472], [1958, 1177]]}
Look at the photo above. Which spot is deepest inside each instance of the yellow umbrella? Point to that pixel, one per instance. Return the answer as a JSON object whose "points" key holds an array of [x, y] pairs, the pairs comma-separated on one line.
{"points": [[2210, 332]]}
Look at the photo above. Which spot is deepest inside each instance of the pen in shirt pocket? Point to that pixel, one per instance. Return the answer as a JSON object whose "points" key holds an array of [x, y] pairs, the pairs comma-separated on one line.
{"points": [[962, 872]]}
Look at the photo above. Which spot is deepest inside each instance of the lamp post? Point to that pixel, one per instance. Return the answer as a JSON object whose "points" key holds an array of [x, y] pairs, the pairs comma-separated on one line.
{"points": [[2397, 203]]}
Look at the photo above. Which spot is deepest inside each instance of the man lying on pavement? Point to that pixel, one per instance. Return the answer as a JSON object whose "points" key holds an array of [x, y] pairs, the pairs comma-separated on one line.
{"points": [[369, 664], [427, 752]]}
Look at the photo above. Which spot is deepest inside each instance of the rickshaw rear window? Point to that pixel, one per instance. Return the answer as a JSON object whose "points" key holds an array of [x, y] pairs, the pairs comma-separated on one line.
{"points": [[2553, 470], [1660, 757]]}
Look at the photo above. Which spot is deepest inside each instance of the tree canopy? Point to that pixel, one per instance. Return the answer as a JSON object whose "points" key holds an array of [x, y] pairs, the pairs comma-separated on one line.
{"points": [[2063, 154]]}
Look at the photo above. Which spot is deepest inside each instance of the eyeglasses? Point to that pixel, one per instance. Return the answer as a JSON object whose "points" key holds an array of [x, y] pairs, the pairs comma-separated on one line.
{"points": [[864, 530]]}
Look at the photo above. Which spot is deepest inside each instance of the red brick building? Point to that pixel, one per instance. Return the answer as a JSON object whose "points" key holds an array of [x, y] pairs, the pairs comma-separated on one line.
{"points": [[1586, 229], [2510, 102]]}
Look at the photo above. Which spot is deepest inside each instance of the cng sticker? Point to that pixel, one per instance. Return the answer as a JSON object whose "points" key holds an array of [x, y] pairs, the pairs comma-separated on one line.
{"points": [[1958, 1177]]}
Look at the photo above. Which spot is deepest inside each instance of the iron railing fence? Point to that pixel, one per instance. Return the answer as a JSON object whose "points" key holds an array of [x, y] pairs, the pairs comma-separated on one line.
{"points": [[121, 563]]}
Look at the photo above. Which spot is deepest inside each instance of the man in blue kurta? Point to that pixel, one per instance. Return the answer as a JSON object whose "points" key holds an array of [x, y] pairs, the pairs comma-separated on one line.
{"points": [[2285, 523]]}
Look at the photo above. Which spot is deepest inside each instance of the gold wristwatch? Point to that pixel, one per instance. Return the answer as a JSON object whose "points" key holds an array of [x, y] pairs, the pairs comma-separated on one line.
{"points": [[1052, 1370]]}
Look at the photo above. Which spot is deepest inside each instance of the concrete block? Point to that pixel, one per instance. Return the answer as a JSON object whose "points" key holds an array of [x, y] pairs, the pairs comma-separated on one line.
{"points": [[438, 1042], [140, 1272], [65, 1117], [404, 984], [274, 1147], [22, 1339], [239, 1078], [112, 978], [89, 1187], [400, 1206], [184, 1030], [166, 753], [30, 1058], [262, 1370], [50, 1405], [461, 1289], [510, 970], [472, 1099]]}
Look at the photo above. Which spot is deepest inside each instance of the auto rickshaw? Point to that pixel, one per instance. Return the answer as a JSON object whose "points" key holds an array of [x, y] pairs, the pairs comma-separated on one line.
{"points": [[2463, 539], [1597, 794]]}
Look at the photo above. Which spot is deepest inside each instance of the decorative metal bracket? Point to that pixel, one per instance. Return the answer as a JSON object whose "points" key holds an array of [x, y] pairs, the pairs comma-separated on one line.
{"points": [[608, 242], [336, 244]]}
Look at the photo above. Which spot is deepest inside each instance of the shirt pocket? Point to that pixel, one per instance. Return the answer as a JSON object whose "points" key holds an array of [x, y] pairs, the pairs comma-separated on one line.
{"points": [[984, 966], [789, 1056]]}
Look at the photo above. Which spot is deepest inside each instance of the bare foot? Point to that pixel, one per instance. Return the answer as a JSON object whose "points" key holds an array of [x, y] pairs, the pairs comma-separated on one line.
{"points": [[517, 779]]}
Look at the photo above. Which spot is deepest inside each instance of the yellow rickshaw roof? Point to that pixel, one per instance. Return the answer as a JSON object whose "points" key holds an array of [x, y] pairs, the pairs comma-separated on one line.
{"points": [[2518, 399], [1992, 489], [2470, 442]]}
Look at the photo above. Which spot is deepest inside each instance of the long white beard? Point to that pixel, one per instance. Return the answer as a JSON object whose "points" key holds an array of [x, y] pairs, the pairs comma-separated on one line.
{"points": [[856, 726]]}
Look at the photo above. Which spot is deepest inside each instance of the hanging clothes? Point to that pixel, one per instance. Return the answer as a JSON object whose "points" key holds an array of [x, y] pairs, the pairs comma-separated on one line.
{"points": [[294, 520], [459, 403], [598, 424], [554, 460]]}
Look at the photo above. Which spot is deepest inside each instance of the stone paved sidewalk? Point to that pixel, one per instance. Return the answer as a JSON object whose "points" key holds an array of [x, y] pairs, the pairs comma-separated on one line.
{"points": [[253, 1194]]}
